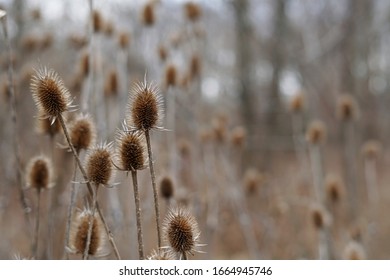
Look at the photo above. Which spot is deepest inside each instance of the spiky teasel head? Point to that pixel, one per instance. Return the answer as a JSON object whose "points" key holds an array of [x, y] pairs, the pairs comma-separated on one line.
{"points": [[347, 108], [49, 93], [167, 187], [316, 132], [181, 232], [79, 233], [170, 75], [145, 107], [131, 150], [354, 251], [371, 149], [99, 165], [162, 254], [334, 188], [238, 136], [44, 126], [82, 132], [297, 102], [319, 217], [148, 16], [39, 173], [192, 11]]}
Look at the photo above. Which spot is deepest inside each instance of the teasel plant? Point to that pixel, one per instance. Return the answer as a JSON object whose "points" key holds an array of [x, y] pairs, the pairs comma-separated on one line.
{"points": [[53, 99], [348, 113], [321, 220], [181, 233], [14, 118], [82, 136], [131, 156], [145, 112], [39, 177], [371, 152], [315, 136]]}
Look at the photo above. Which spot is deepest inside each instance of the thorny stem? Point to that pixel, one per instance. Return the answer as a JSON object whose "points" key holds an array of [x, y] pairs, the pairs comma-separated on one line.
{"points": [[108, 231], [71, 206], [138, 215], [90, 223], [155, 195], [22, 197], [36, 233]]}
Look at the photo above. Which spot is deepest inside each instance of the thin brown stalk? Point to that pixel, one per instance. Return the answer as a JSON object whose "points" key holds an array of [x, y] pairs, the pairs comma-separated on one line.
{"points": [[155, 194], [138, 215], [90, 223], [36, 232], [108, 231]]}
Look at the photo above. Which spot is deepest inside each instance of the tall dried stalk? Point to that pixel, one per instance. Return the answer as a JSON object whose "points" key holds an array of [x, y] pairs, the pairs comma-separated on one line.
{"points": [[138, 215]]}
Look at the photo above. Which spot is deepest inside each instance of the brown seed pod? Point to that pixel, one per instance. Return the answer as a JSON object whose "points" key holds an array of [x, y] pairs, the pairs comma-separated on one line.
{"points": [[49, 93], [98, 21], [145, 107], [372, 149], [252, 181], [316, 132], [99, 165], [219, 130], [297, 102], [192, 11], [111, 85], [162, 53], [82, 132], [238, 136], [148, 16], [320, 217], [131, 151], [181, 231], [167, 187], [354, 251], [347, 108], [170, 75], [39, 173], [79, 233], [334, 188], [124, 40]]}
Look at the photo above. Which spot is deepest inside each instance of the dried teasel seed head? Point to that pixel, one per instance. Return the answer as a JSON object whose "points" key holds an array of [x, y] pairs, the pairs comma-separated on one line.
{"points": [[320, 218], [131, 151], [192, 11], [79, 233], [181, 231], [334, 188], [252, 181], [371, 149], [82, 132], [161, 255], [77, 41], [297, 102], [98, 21], [238, 136], [39, 173], [99, 165], [170, 75], [111, 87], [316, 132], [124, 40], [148, 15], [347, 108], [145, 107], [49, 93], [354, 251], [167, 187], [36, 14]]}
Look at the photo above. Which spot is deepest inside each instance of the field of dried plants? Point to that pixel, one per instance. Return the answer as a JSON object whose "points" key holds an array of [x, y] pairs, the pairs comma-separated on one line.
{"points": [[194, 130]]}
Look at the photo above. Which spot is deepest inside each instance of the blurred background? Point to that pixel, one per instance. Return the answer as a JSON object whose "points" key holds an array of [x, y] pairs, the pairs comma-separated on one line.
{"points": [[276, 111]]}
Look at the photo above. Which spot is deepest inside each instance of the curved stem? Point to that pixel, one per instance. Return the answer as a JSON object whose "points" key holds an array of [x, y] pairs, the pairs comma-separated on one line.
{"points": [[155, 195], [138, 215]]}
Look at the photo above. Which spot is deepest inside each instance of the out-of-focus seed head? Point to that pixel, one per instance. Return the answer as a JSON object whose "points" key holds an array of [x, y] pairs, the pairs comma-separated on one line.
{"points": [[131, 151], [109, 28], [79, 233], [145, 107], [82, 132], [124, 40], [316, 132], [195, 67], [192, 11], [167, 187], [148, 14], [162, 53], [111, 85], [181, 231], [39, 173], [238, 136], [98, 21], [99, 165], [354, 251], [84, 64], [49, 93], [170, 75], [320, 218], [184, 147], [297, 102], [252, 181], [347, 108], [334, 188], [372, 149]]}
